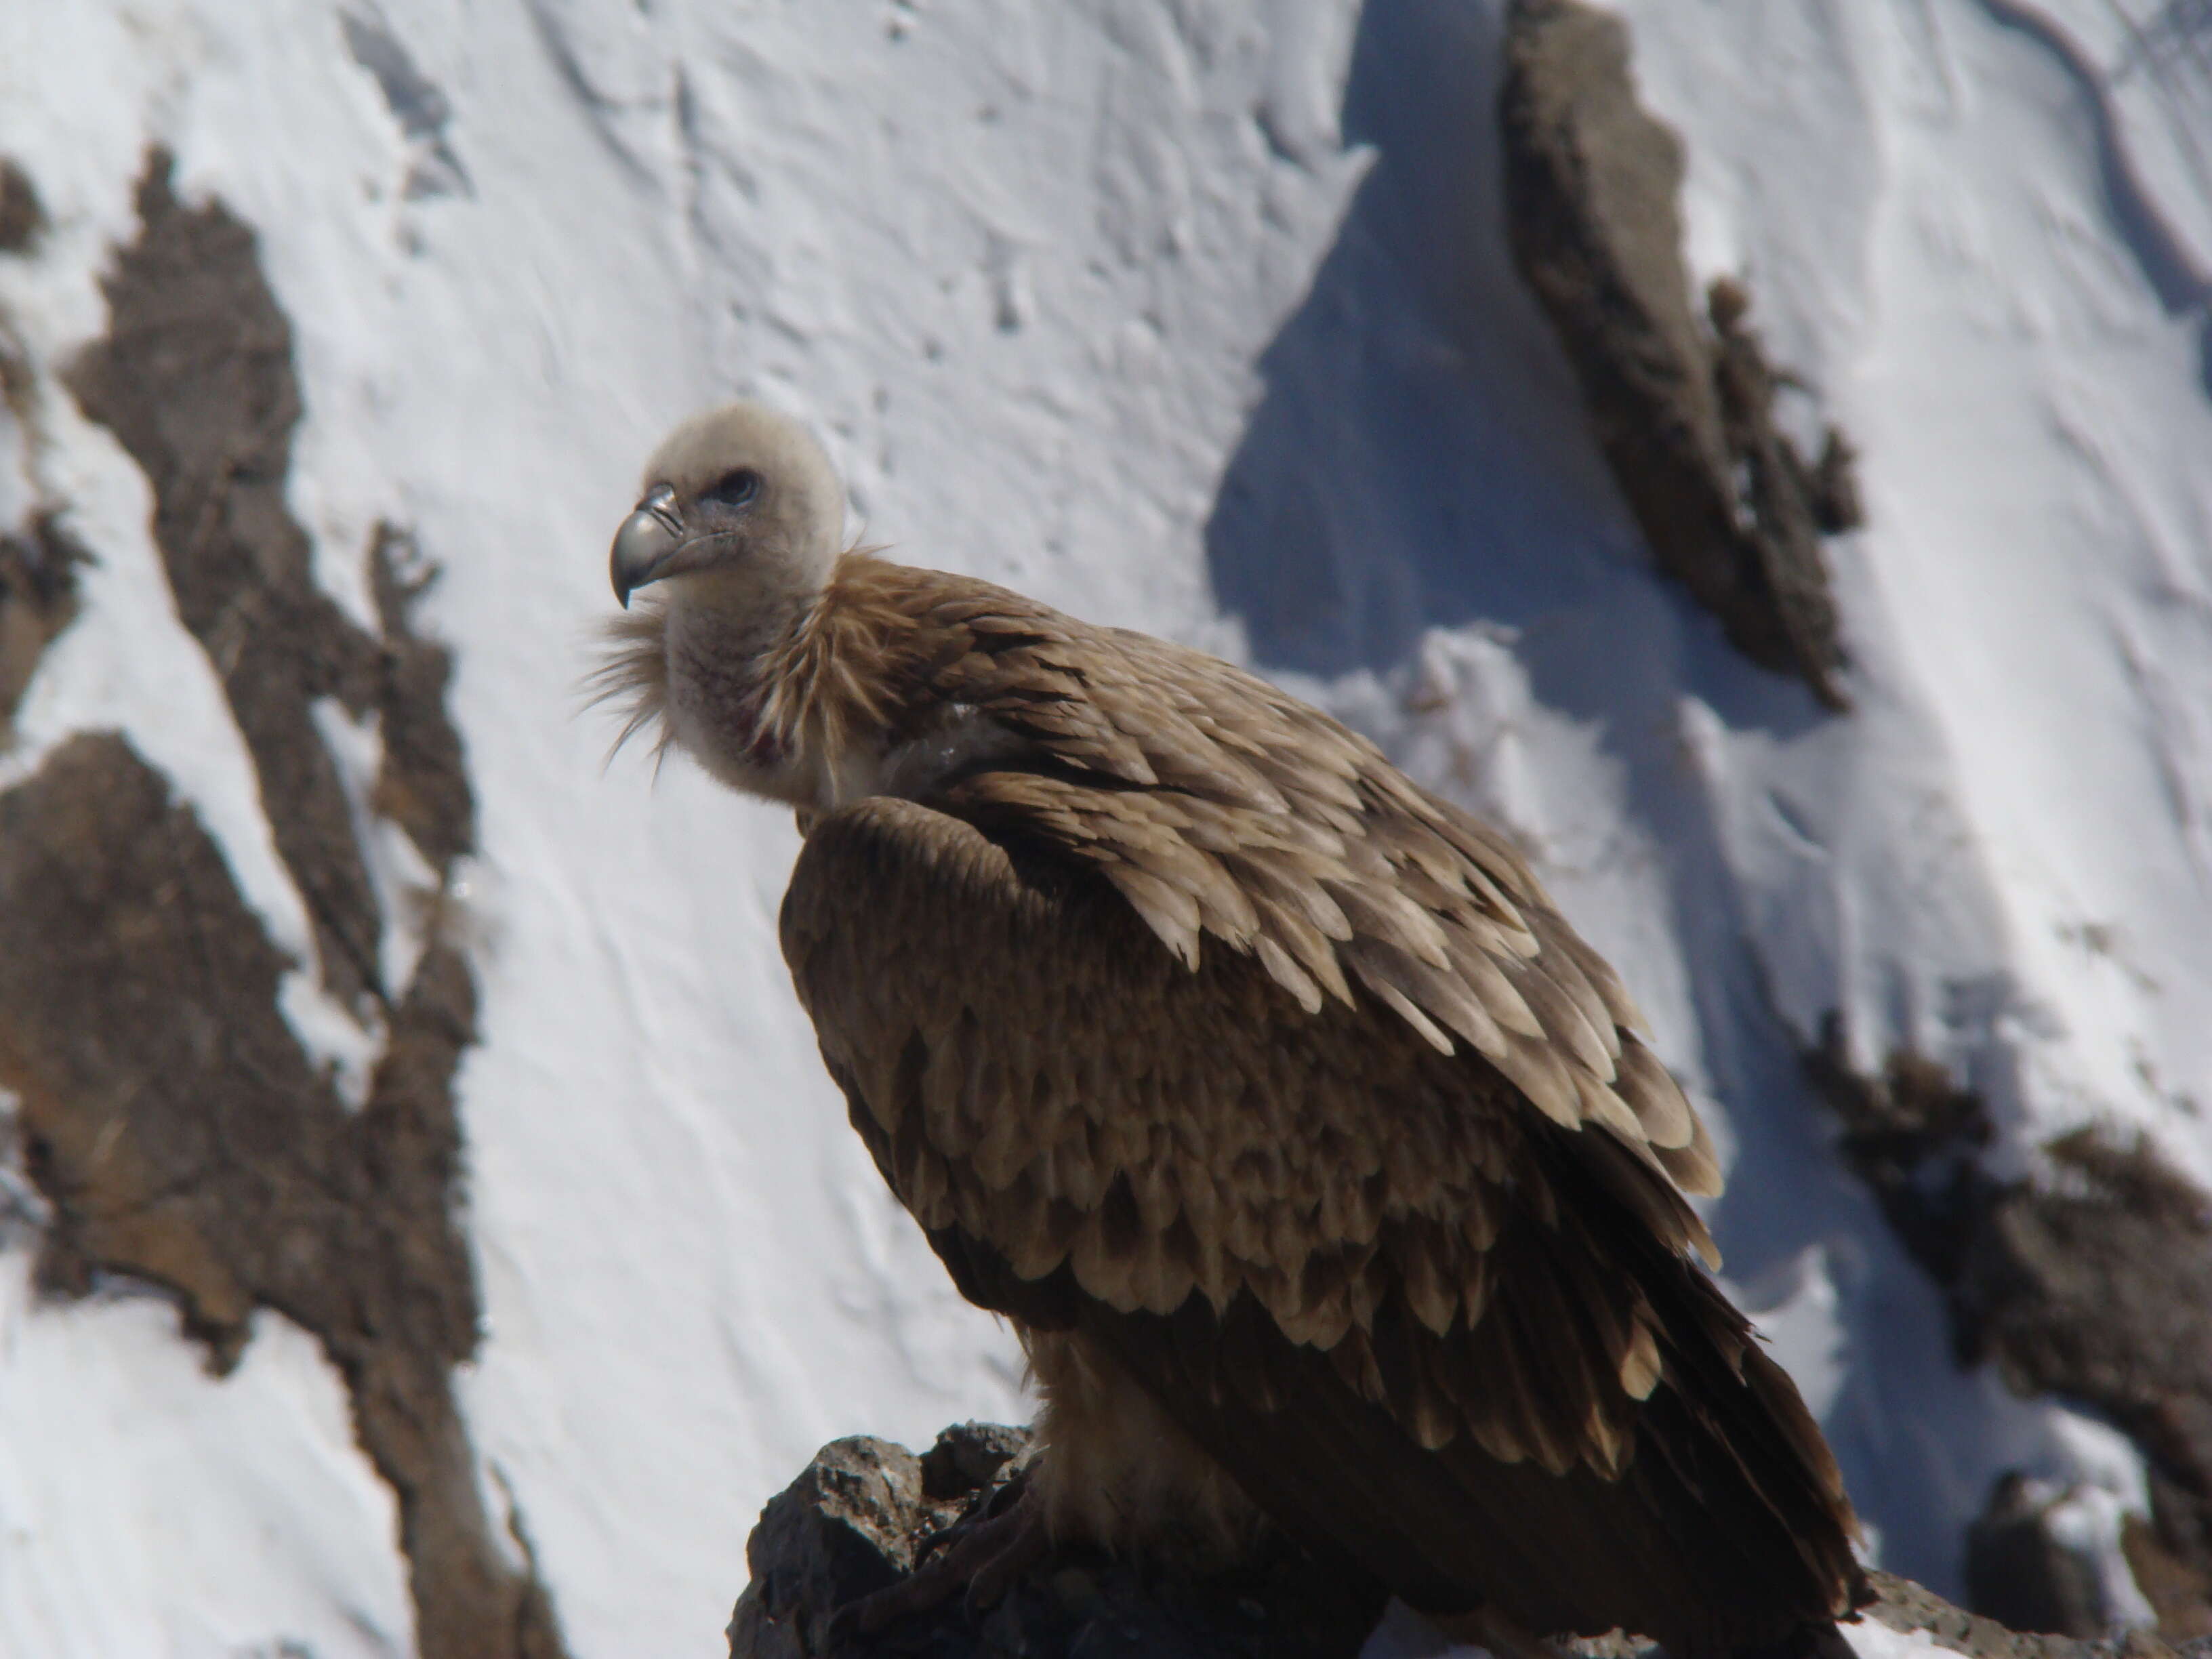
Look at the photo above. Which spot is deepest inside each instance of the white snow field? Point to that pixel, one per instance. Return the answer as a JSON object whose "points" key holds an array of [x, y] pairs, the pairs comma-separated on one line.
{"points": [[1197, 318]]}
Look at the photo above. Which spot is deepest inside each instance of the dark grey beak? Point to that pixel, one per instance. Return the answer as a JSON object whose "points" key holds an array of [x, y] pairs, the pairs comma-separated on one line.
{"points": [[648, 539]]}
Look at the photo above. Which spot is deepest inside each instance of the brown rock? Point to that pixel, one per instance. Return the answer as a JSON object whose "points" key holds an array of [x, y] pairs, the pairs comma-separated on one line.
{"points": [[175, 1127], [864, 1512], [181, 1137], [38, 600], [2018, 1573], [2096, 1288], [195, 379], [22, 218], [1591, 182]]}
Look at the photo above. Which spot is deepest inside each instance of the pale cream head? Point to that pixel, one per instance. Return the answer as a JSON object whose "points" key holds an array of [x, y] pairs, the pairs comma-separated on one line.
{"points": [[741, 493]]}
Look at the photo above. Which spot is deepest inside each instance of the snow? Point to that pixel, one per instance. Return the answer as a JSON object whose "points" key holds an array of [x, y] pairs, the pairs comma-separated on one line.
{"points": [[1191, 319], [147, 1508], [1872, 1640]]}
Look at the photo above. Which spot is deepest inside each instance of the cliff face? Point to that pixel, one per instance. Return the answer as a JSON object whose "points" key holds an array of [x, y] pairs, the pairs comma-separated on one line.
{"points": [[176, 1128], [2089, 1288], [424, 1222]]}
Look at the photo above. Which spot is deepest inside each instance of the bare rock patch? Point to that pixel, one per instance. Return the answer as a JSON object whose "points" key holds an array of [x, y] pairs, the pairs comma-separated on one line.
{"points": [[2094, 1287], [1681, 405], [176, 1128]]}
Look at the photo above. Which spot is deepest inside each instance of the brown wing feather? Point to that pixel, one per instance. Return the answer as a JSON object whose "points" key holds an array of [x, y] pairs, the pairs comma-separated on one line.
{"points": [[1408, 1313], [1230, 816]]}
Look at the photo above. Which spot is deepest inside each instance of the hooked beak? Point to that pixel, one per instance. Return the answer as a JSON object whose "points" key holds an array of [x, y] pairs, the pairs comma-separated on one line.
{"points": [[648, 541]]}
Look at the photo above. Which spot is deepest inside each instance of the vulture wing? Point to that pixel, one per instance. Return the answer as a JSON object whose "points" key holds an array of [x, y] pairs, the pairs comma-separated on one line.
{"points": [[1304, 1103]]}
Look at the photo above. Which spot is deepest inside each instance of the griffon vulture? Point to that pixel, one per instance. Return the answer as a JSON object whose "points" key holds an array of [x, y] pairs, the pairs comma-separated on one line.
{"points": [[1316, 1160]]}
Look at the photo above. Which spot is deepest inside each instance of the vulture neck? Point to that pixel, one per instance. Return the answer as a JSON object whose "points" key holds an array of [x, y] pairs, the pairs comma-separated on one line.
{"points": [[815, 699], [725, 686]]}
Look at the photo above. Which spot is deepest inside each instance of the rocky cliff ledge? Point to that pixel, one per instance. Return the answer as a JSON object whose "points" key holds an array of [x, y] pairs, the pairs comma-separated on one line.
{"points": [[865, 1512]]}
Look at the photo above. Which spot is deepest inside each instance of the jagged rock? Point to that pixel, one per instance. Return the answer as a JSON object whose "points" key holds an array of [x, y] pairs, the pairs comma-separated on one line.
{"points": [[2021, 1573], [2095, 1288], [865, 1511], [21, 217], [38, 600], [1729, 508], [1912, 1135], [848, 1527], [2101, 1292], [1904, 1605], [177, 1131], [968, 1457]]}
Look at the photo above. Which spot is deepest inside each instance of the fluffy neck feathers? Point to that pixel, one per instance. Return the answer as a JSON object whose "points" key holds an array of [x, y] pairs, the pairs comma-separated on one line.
{"points": [[813, 702]]}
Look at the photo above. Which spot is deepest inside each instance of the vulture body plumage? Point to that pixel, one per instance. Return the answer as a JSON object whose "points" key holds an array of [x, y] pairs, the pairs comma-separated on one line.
{"points": [[1319, 1164]]}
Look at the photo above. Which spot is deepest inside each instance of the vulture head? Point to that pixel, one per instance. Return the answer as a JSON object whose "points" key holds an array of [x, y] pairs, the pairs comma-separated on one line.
{"points": [[739, 503]]}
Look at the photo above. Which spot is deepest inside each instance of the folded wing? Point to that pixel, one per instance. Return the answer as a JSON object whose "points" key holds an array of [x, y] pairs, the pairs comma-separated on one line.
{"points": [[1429, 1322]]}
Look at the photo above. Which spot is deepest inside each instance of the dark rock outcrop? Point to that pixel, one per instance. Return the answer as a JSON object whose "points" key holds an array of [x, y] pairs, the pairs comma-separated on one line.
{"points": [[2021, 1573], [864, 1512], [1682, 409], [2100, 1290], [1904, 1605], [195, 379], [23, 219], [177, 1130], [1912, 1135], [2096, 1288], [38, 600]]}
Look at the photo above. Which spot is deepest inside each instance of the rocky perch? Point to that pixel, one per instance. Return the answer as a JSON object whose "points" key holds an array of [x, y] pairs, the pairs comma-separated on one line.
{"points": [[866, 1512]]}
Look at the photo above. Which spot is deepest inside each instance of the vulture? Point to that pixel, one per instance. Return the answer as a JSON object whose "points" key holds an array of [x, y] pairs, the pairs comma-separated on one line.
{"points": [[1321, 1168]]}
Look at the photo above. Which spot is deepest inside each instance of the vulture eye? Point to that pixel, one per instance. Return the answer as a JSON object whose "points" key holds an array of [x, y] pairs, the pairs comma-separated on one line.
{"points": [[735, 488]]}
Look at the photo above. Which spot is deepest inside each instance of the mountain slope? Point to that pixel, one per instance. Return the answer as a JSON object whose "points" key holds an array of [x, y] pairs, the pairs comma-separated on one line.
{"points": [[1194, 320]]}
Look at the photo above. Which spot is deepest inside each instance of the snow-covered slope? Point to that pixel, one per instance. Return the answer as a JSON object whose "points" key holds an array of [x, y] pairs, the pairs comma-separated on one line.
{"points": [[1197, 320]]}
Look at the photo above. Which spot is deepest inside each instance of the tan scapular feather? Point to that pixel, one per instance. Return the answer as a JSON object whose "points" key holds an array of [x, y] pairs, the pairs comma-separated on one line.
{"points": [[1258, 1087], [1246, 844]]}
